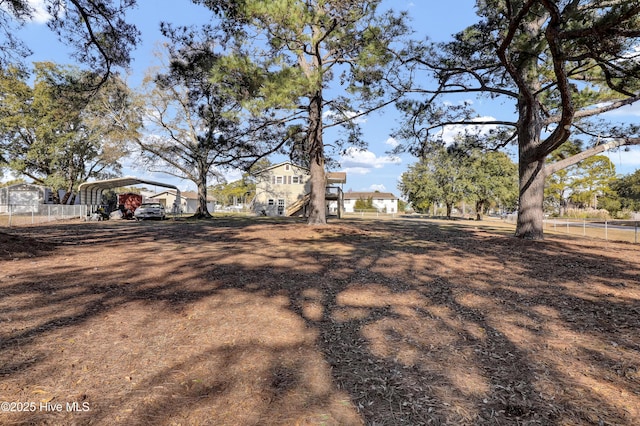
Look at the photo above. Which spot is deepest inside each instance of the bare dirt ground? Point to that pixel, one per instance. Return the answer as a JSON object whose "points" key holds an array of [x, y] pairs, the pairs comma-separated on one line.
{"points": [[262, 322]]}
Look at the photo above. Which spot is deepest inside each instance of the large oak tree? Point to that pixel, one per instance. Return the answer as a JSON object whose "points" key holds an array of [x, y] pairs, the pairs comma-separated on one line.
{"points": [[58, 135], [561, 64]]}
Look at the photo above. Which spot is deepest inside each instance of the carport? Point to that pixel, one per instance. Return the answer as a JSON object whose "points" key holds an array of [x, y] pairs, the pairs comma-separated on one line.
{"points": [[91, 192]]}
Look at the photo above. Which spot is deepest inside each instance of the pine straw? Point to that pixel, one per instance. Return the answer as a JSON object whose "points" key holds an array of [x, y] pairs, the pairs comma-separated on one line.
{"points": [[254, 322]]}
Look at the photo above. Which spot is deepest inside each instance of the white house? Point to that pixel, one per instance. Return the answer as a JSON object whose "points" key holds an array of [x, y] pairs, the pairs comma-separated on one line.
{"points": [[384, 202], [22, 198], [283, 190], [188, 201]]}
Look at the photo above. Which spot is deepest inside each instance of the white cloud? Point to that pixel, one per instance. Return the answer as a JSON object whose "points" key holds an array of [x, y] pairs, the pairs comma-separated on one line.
{"points": [[450, 132], [356, 170], [392, 142], [40, 14], [628, 110], [377, 187], [345, 115], [362, 162], [231, 175]]}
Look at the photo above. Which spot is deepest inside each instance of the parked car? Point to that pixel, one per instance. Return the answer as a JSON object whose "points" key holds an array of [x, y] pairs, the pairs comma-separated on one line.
{"points": [[150, 211]]}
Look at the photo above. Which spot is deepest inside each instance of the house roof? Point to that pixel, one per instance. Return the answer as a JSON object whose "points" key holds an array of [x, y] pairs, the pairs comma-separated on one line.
{"points": [[24, 185], [275, 166], [336, 177], [365, 195], [332, 177]]}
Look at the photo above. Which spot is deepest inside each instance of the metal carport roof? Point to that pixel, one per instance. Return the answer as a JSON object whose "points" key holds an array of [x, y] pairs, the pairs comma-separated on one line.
{"points": [[91, 192]]}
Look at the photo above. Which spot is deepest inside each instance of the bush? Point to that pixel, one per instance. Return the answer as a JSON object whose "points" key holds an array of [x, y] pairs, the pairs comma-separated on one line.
{"points": [[624, 214], [588, 214]]}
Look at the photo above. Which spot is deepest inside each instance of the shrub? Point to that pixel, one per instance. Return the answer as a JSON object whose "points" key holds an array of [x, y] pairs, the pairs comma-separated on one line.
{"points": [[588, 214]]}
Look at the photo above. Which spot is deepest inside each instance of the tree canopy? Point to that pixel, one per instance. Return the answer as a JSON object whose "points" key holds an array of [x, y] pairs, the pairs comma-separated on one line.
{"points": [[494, 180], [451, 175], [561, 64], [627, 188], [439, 177], [57, 135], [592, 180]]}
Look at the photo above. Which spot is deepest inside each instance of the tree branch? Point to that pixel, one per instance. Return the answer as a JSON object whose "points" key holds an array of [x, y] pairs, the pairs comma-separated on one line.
{"points": [[553, 168]]}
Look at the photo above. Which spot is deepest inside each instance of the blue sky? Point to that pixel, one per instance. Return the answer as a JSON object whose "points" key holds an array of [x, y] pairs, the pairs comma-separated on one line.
{"points": [[371, 169]]}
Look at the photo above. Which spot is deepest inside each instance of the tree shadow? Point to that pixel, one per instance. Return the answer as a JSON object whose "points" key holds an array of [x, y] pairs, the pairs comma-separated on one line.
{"points": [[394, 321]]}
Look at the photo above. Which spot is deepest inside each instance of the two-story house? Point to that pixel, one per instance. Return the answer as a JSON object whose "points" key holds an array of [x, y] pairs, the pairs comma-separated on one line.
{"points": [[283, 190], [384, 202]]}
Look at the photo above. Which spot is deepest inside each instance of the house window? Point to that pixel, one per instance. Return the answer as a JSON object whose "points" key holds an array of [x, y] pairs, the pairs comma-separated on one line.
{"points": [[296, 179], [279, 180], [280, 207], [271, 202], [286, 167]]}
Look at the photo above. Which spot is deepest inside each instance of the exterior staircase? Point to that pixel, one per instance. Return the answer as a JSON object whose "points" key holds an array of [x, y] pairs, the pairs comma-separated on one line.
{"points": [[333, 193], [298, 207]]}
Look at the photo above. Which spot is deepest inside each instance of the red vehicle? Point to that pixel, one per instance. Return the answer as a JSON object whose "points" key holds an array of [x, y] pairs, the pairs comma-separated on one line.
{"points": [[128, 203]]}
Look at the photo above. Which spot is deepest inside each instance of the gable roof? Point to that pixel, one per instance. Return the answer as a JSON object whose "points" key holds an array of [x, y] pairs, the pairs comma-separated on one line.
{"points": [[275, 166], [365, 195], [332, 177]]}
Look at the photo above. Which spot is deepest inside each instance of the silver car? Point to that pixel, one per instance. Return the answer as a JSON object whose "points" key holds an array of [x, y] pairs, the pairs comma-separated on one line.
{"points": [[149, 211]]}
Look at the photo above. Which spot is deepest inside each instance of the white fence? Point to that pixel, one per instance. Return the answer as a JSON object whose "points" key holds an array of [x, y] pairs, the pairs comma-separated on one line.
{"points": [[31, 214]]}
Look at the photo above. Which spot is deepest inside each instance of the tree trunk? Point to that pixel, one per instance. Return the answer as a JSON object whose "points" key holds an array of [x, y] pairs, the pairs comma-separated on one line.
{"points": [[202, 211], [317, 208], [55, 196], [449, 208], [531, 170], [530, 223], [65, 199], [68, 193], [479, 209]]}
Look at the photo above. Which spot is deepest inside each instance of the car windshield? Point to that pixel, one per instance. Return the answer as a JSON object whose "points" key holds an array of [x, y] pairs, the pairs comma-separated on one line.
{"points": [[146, 206]]}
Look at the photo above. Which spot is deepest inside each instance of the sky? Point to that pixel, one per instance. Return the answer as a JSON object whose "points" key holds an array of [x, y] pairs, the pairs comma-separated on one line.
{"points": [[372, 169]]}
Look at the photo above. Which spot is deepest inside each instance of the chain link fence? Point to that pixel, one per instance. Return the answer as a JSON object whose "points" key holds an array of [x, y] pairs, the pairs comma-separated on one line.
{"points": [[31, 214], [606, 229]]}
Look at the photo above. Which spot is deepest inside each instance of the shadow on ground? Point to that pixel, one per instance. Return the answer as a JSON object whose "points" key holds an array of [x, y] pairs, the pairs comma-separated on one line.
{"points": [[250, 321]]}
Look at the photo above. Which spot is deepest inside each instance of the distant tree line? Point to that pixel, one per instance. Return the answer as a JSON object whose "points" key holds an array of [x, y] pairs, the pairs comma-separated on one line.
{"points": [[452, 175]]}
